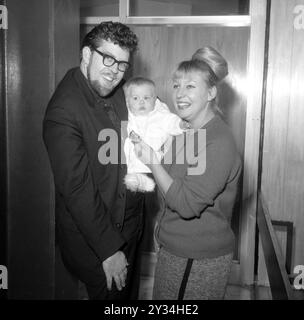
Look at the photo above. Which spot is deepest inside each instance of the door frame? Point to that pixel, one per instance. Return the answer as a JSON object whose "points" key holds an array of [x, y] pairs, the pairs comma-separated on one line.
{"points": [[3, 152], [243, 269]]}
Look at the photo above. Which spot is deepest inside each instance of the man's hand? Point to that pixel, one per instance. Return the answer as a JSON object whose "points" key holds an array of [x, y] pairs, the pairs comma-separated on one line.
{"points": [[116, 267]]}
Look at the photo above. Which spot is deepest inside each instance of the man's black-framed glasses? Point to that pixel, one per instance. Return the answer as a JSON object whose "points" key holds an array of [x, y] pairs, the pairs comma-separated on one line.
{"points": [[109, 61]]}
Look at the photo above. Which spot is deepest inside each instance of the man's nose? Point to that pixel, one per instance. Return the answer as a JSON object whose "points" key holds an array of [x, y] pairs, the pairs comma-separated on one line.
{"points": [[114, 67]]}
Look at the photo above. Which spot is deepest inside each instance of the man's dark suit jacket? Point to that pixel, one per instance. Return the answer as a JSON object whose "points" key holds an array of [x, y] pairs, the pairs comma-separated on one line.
{"points": [[90, 197]]}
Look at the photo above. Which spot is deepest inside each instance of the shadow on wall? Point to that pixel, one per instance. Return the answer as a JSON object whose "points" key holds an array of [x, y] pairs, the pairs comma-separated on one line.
{"points": [[227, 95]]}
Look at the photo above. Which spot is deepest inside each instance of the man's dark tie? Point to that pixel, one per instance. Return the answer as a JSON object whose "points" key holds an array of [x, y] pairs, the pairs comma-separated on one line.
{"points": [[109, 108]]}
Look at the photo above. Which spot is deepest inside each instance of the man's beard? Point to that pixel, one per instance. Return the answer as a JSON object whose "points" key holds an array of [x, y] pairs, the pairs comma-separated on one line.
{"points": [[98, 88], [101, 90]]}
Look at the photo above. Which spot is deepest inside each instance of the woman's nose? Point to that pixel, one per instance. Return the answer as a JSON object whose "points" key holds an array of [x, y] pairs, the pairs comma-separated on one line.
{"points": [[180, 93]]}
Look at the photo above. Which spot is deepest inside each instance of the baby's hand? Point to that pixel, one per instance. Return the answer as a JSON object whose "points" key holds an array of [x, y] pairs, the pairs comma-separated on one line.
{"points": [[135, 138], [184, 125]]}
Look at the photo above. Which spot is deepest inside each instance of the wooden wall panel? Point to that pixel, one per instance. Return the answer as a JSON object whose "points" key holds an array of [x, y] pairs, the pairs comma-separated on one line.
{"points": [[32, 48], [3, 159], [255, 80], [66, 32], [29, 227], [283, 154]]}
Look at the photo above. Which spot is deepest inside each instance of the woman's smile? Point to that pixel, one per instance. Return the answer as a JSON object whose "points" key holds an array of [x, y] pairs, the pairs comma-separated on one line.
{"points": [[183, 105]]}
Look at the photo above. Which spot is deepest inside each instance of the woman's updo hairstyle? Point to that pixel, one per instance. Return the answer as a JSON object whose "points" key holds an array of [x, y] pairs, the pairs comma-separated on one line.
{"points": [[214, 60], [218, 69]]}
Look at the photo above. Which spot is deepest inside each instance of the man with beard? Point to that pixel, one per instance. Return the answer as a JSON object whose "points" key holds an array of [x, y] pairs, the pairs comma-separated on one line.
{"points": [[98, 221]]}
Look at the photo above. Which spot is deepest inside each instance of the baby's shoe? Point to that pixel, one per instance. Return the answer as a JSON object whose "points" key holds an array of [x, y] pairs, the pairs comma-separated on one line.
{"points": [[139, 182]]}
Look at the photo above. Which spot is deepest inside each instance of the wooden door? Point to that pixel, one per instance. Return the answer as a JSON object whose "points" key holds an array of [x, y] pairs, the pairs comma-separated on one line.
{"points": [[41, 42]]}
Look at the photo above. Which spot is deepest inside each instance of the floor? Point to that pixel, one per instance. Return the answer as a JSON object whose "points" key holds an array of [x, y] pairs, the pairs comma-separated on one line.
{"points": [[233, 292]]}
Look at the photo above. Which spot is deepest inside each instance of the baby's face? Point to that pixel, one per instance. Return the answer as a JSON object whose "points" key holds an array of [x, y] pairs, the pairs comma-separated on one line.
{"points": [[141, 99]]}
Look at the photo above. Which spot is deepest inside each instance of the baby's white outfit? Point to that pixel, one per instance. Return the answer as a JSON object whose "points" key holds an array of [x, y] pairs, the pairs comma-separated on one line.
{"points": [[154, 129]]}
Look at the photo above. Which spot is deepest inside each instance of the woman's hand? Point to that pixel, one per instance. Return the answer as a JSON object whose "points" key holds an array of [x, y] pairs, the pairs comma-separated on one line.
{"points": [[145, 153], [148, 156]]}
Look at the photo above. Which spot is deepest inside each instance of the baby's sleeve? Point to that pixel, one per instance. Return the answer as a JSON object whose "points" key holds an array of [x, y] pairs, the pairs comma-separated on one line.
{"points": [[172, 123]]}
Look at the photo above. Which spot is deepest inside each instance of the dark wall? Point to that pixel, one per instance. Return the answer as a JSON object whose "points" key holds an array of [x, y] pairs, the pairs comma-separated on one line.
{"points": [[66, 56], [66, 36], [36, 53], [30, 222]]}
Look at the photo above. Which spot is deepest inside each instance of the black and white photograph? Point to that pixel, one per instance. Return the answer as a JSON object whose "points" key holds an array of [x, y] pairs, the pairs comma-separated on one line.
{"points": [[151, 153]]}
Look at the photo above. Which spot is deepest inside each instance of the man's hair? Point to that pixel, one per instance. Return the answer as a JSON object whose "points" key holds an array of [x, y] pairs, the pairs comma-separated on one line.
{"points": [[137, 81], [115, 32]]}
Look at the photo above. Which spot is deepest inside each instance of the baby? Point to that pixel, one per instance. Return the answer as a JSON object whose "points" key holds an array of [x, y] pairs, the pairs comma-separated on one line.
{"points": [[149, 119]]}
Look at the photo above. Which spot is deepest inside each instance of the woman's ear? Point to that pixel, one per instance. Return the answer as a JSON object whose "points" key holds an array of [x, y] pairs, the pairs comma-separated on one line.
{"points": [[212, 92], [86, 54]]}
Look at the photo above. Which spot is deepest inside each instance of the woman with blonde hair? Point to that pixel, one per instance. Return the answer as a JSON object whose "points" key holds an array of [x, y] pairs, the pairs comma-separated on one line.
{"points": [[193, 231]]}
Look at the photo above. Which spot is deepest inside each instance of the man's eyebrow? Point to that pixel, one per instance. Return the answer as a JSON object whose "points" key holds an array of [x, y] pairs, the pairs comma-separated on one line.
{"points": [[107, 53], [112, 56]]}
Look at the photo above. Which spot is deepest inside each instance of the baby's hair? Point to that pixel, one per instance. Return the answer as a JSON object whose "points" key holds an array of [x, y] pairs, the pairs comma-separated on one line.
{"points": [[138, 81]]}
